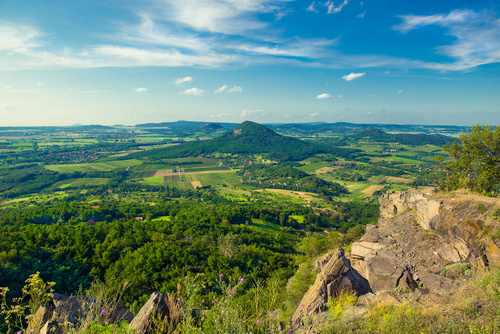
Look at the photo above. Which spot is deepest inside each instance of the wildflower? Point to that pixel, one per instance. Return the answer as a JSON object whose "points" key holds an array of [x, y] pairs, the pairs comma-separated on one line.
{"points": [[234, 289], [301, 305], [242, 280], [222, 312], [257, 321], [230, 293], [103, 312], [187, 277], [220, 275], [213, 301], [203, 300], [193, 285]]}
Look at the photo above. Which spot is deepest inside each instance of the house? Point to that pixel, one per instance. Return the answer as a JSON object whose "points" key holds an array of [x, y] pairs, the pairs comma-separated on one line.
{"points": [[95, 206], [139, 218]]}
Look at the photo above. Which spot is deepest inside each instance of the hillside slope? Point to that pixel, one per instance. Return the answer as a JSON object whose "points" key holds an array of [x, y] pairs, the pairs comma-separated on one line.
{"points": [[247, 138]]}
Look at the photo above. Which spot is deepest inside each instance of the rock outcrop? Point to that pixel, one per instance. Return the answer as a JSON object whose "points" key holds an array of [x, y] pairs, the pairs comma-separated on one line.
{"points": [[418, 235], [159, 306], [336, 275], [67, 313]]}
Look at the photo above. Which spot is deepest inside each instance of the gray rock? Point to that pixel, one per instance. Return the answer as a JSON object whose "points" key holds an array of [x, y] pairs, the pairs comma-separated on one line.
{"points": [[440, 285], [40, 318], [159, 305], [336, 275]]}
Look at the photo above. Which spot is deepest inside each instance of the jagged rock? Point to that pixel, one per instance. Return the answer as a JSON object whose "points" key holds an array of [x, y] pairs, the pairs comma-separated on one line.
{"points": [[335, 276], [386, 298], [418, 294], [382, 273], [440, 285], [74, 309], [365, 299], [41, 316], [159, 305], [371, 234], [407, 282], [53, 327], [359, 250], [318, 264], [395, 202]]}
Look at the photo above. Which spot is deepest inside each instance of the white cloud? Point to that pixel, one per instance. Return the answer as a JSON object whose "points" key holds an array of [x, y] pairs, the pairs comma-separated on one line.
{"points": [[39, 83], [246, 112], [362, 15], [352, 76], [179, 81], [7, 87], [221, 16], [17, 37], [220, 89], [323, 96], [476, 42], [222, 114], [311, 8], [223, 89], [341, 96], [400, 91], [235, 89], [193, 91], [332, 9], [314, 114], [141, 89]]}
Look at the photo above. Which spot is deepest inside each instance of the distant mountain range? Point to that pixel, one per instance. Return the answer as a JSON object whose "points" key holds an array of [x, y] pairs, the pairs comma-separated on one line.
{"points": [[247, 138], [312, 128]]}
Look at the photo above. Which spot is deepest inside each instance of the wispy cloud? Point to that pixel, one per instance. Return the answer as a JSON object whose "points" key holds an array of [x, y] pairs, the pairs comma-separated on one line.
{"points": [[352, 76], [477, 37], [141, 89], [332, 9], [323, 96], [193, 91], [224, 89], [400, 91], [179, 81], [361, 15], [311, 8], [314, 114]]}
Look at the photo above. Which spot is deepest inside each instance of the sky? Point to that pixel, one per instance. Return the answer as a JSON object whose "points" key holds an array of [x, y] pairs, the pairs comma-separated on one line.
{"points": [[269, 61]]}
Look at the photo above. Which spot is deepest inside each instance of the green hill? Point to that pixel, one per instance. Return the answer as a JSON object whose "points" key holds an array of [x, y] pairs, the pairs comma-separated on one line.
{"points": [[247, 138]]}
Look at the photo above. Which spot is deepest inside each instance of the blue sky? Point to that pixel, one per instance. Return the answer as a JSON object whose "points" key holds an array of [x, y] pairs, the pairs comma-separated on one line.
{"points": [[270, 61]]}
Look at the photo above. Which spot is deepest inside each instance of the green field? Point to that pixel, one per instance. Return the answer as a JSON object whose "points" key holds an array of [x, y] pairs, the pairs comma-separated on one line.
{"points": [[99, 166], [76, 183], [154, 180], [311, 167]]}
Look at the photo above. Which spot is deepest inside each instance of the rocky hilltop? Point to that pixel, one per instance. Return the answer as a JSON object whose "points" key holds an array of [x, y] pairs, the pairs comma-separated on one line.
{"points": [[417, 242]]}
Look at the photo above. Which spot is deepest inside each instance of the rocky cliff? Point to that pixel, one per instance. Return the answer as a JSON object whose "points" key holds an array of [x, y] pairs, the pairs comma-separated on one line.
{"points": [[417, 238]]}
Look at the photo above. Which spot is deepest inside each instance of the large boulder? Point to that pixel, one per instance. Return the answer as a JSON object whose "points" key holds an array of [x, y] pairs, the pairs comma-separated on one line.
{"points": [[335, 276], [40, 318], [159, 306]]}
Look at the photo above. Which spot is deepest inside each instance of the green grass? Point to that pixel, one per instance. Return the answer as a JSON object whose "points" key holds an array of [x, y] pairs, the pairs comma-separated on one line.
{"points": [[100, 166], [154, 180], [311, 167], [405, 160], [75, 183]]}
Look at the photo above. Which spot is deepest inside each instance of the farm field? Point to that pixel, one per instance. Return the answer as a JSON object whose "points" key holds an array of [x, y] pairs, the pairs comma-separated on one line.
{"points": [[99, 166], [76, 183]]}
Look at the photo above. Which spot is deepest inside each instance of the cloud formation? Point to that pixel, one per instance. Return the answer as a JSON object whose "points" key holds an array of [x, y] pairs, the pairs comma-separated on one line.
{"points": [[323, 96], [179, 81], [352, 76], [141, 89], [477, 37], [311, 8], [223, 89], [332, 9], [193, 91]]}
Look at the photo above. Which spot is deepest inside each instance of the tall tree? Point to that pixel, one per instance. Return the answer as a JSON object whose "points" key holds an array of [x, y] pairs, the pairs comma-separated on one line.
{"points": [[474, 163]]}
